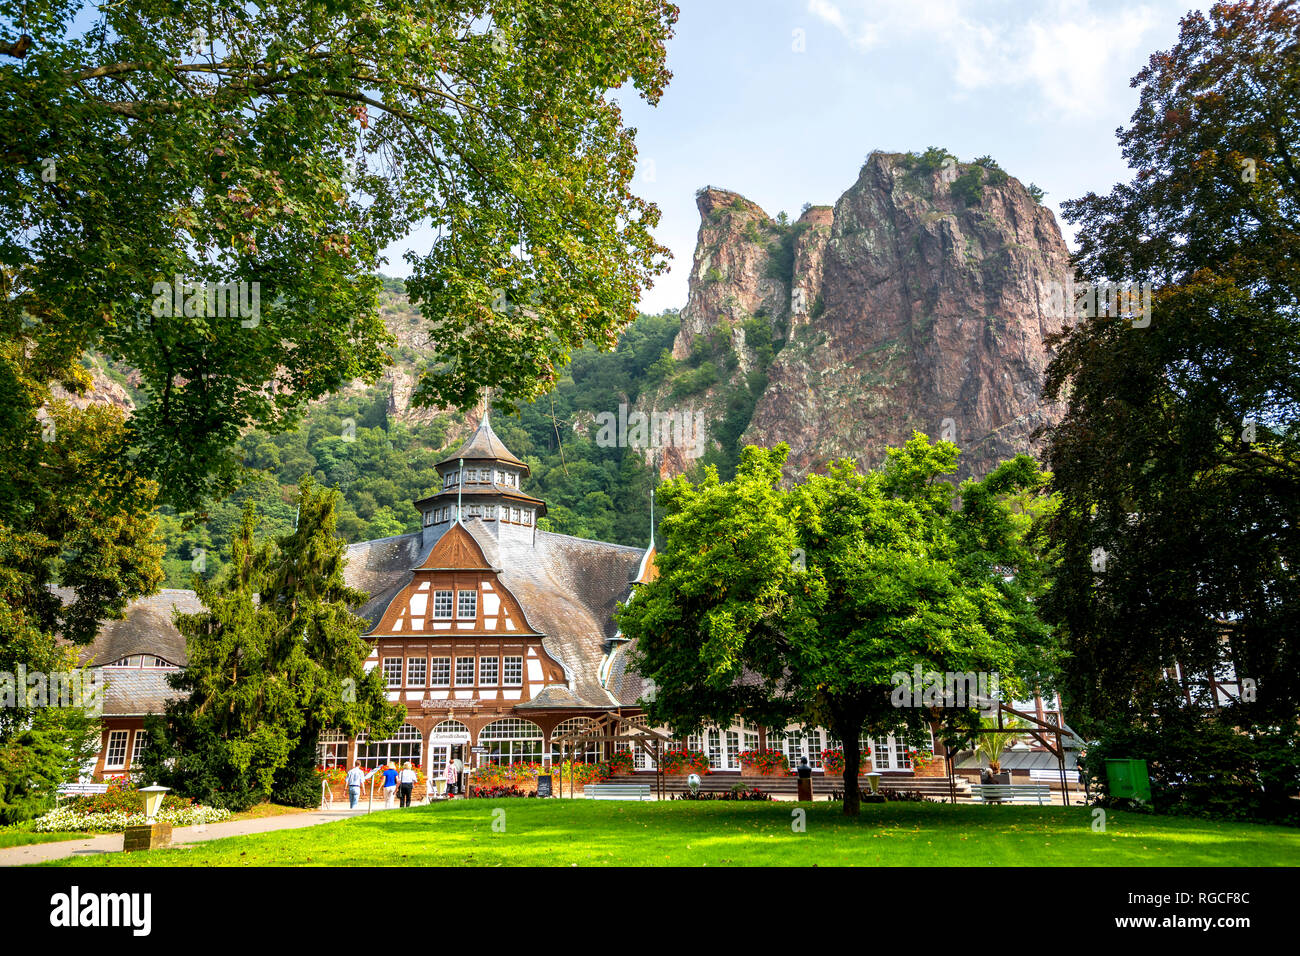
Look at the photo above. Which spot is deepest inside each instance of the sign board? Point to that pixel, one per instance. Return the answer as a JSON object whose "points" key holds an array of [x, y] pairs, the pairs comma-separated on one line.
{"points": [[448, 738], [544, 785], [478, 750]]}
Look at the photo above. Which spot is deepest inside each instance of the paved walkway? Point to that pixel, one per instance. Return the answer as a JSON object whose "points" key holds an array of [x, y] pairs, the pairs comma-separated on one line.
{"points": [[112, 842]]}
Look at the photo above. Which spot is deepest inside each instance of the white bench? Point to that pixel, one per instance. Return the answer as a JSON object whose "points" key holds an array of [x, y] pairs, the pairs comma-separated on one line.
{"points": [[1012, 793], [80, 790], [616, 791], [1054, 776]]}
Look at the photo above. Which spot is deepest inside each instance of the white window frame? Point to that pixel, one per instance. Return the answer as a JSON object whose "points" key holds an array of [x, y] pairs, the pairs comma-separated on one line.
{"points": [[460, 661], [117, 762], [139, 742], [460, 605], [489, 671], [423, 668], [440, 672], [450, 597], [508, 664], [392, 671]]}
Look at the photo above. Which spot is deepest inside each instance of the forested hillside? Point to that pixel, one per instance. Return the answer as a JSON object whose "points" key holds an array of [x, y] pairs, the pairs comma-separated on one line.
{"points": [[380, 453]]}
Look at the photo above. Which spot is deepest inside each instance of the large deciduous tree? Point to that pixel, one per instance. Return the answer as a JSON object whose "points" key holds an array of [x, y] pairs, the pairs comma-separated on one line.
{"points": [[1178, 459], [805, 604], [287, 144], [202, 192]]}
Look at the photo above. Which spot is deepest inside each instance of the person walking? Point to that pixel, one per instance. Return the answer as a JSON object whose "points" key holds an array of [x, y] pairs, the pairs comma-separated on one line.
{"points": [[356, 780], [460, 776], [405, 785], [390, 785], [452, 777]]}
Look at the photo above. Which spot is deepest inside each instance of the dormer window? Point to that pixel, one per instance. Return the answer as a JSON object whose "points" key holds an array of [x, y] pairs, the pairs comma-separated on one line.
{"points": [[466, 604], [442, 605]]}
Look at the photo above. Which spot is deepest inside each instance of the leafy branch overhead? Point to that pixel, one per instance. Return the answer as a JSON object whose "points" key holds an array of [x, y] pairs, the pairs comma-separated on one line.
{"points": [[288, 145]]}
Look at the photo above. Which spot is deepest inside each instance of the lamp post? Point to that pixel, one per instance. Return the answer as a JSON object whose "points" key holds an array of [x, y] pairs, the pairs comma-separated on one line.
{"points": [[152, 833]]}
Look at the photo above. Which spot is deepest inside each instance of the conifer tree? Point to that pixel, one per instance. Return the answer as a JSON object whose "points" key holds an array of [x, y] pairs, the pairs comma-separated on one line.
{"points": [[276, 657]]}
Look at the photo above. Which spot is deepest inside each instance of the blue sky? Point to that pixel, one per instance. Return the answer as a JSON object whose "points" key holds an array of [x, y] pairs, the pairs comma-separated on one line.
{"points": [[782, 100]]}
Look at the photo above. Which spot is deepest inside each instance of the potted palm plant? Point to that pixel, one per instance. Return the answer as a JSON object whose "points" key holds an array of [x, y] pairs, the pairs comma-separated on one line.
{"points": [[991, 746]]}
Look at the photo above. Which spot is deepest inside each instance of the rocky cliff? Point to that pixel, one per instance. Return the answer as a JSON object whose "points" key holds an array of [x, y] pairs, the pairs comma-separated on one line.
{"points": [[916, 303]]}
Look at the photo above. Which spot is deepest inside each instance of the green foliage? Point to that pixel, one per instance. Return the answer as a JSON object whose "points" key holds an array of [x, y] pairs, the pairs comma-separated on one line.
{"points": [[39, 750], [1155, 460], [696, 380], [276, 657], [1201, 764], [1035, 193], [996, 174], [131, 160], [820, 594], [927, 163], [968, 187], [780, 262], [593, 492]]}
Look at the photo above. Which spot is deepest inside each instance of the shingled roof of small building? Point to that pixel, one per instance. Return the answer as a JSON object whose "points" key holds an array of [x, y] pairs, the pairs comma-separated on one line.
{"points": [[484, 445], [146, 628], [130, 692]]}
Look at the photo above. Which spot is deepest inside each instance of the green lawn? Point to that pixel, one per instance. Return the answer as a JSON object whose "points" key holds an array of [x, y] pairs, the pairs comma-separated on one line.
{"points": [[615, 833], [24, 837]]}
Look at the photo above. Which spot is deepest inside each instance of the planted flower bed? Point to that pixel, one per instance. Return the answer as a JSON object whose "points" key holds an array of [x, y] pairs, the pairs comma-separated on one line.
{"points": [[833, 761], [497, 792], [684, 761], [735, 793], [766, 762], [120, 807]]}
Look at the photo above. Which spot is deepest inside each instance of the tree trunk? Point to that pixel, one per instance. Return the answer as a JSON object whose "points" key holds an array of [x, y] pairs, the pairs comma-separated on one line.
{"points": [[852, 761]]}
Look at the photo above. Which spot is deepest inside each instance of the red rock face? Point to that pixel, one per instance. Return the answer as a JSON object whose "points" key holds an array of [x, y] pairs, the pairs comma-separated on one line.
{"points": [[906, 309]]}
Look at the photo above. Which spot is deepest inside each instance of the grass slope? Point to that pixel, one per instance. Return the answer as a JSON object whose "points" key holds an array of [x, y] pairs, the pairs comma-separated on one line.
{"points": [[608, 833]]}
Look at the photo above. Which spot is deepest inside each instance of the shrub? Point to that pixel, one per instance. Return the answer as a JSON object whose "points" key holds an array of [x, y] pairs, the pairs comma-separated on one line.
{"points": [[968, 187], [735, 793], [1203, 764], [996, 174], [498, 792], [931, 161]]}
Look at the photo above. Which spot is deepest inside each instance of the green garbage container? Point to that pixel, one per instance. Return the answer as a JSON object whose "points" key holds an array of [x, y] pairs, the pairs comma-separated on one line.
{"points": [[1128, 778]]}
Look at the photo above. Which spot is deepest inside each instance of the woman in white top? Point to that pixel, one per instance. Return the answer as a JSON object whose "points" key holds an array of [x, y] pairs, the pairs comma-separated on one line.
{"points": [[405, 784]]}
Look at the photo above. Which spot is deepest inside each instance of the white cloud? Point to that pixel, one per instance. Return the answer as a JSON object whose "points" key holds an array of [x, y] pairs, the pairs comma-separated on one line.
{"points": [[1071, 57]]}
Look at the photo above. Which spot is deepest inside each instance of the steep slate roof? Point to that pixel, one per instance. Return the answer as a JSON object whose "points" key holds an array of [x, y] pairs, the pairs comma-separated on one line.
{"points": [[130, 692], [147, 628], [484, 445], [569, 588], [382, 568]]}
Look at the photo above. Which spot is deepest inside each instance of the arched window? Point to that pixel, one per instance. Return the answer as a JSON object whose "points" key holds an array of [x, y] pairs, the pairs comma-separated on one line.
{"points": [[406, 745], [589, 751], [509, 740], [332, 749]]}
